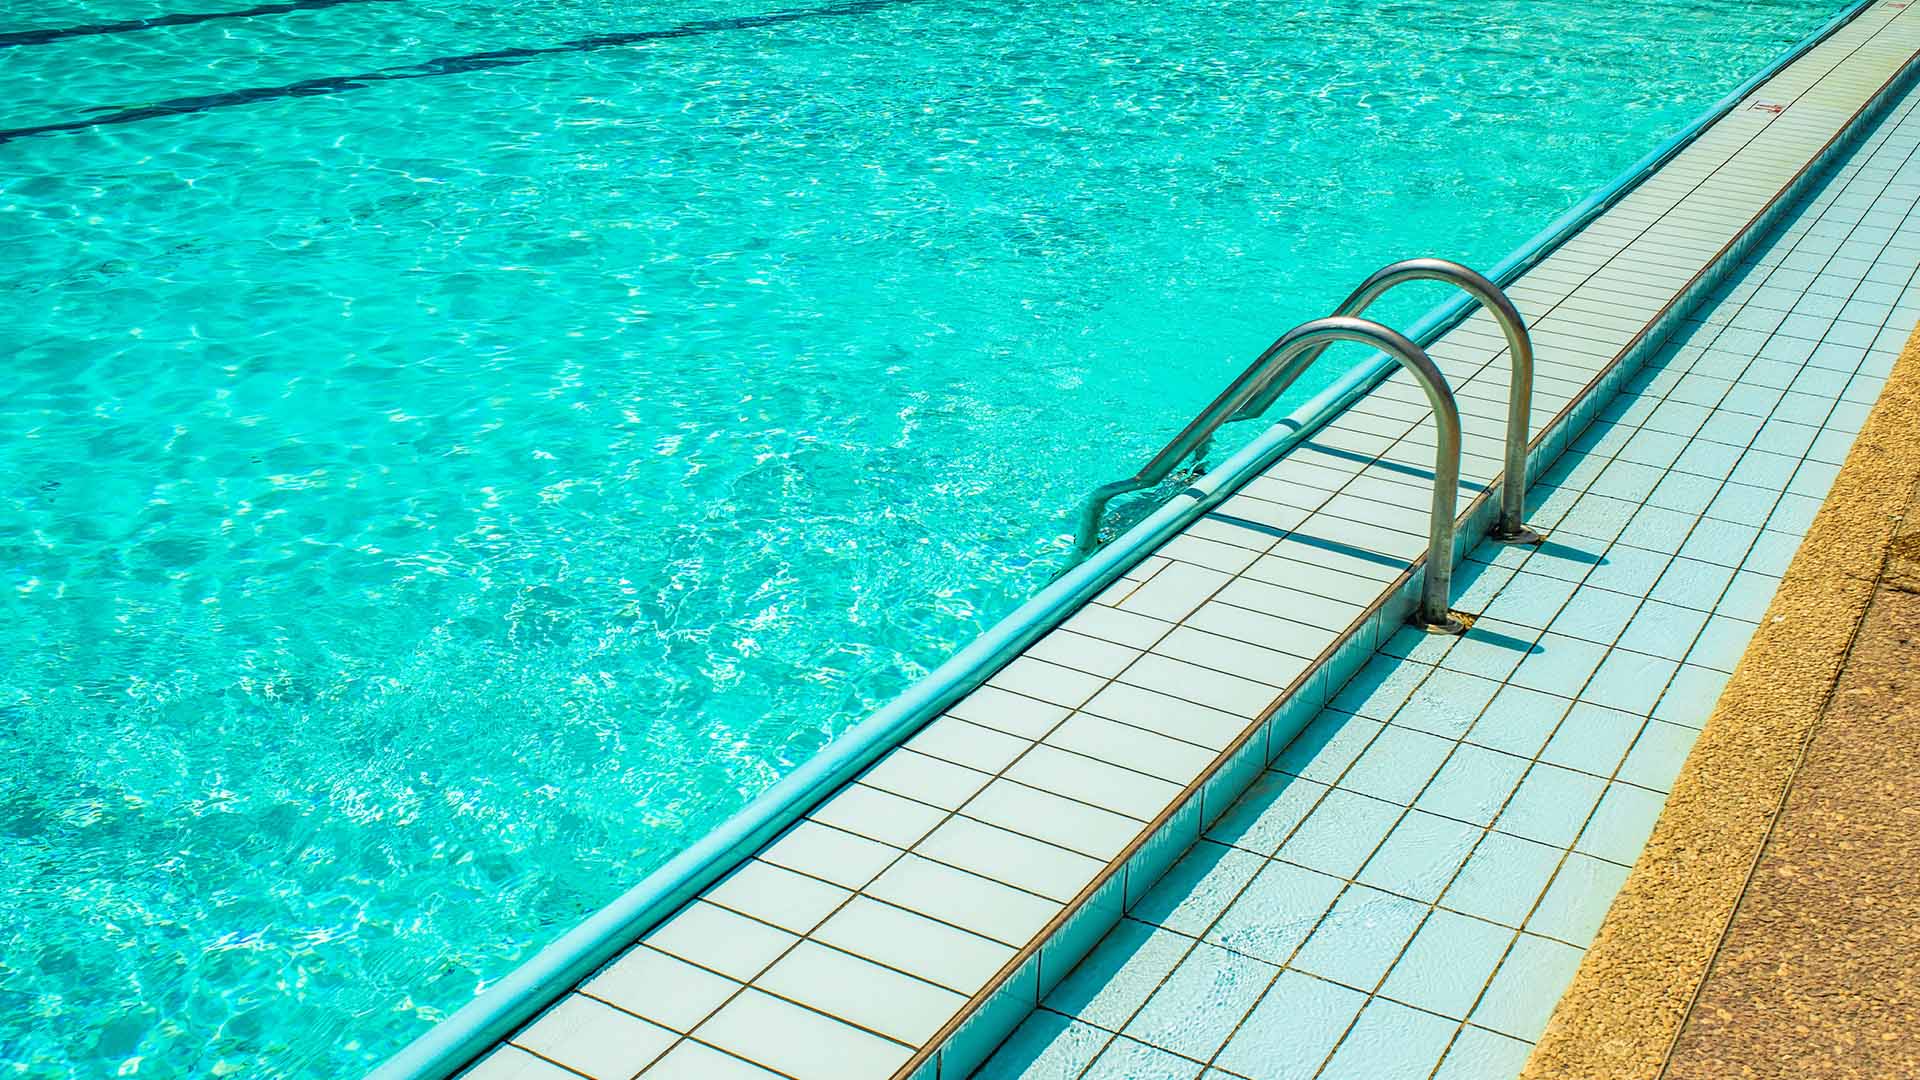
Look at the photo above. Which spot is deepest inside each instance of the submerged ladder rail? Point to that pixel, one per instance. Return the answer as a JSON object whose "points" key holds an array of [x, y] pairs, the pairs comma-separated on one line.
{"points": [[1283, 360], [1511, 528]]}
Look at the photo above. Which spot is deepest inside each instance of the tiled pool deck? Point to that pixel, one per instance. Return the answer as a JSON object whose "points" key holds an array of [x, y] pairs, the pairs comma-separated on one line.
{"points": [[916, 916], [1409, 889]]}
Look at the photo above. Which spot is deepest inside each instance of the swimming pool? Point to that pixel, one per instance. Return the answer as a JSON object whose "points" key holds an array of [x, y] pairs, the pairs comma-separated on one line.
{"points": [[459, 453]]}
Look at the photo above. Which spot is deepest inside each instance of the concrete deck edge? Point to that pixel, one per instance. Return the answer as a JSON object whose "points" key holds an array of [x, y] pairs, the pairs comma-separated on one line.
{"points": [[1633, 991]]}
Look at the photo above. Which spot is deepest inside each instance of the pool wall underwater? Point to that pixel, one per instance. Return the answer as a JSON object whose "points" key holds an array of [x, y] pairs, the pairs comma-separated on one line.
{"points": [[509, 1003]]}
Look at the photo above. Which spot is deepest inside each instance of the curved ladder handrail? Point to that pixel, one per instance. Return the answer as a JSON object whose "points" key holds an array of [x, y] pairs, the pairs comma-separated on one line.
{"points": [[1285, 358], [1512, 525]]}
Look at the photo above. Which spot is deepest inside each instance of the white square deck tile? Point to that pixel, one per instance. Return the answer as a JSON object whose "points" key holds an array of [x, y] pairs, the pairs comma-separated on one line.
{"points": [[776, 895], [1132, 748], [1186, 701], [1095, 782], [868, 995], [661, 988], [802, 1044], [830, 854], [1052, 817], [926, 779], [595, 1038], [966, 900], [1010, 857], [692, 1061], [714, 938], [934, 951], [1013, 713], [878, 815]]}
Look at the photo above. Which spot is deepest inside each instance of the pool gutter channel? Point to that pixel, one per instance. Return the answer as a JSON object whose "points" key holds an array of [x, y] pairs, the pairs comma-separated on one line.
{"points": [[979, 1026]]}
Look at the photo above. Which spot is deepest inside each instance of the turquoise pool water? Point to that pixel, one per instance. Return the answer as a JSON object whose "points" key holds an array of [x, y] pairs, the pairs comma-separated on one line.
{"points": [[456, 453]]}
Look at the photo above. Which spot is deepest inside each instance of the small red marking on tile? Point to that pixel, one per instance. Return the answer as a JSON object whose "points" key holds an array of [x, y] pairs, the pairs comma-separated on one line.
{"points": [[1769, 107]]}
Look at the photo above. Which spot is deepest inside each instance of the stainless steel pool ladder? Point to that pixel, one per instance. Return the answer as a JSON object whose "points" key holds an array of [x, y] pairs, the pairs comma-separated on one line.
{"points": [[1281, 364], [1511, 528]]}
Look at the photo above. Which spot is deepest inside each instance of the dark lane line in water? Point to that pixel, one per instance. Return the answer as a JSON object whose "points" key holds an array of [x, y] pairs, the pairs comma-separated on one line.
{"points": [[41, 37], [445, 65]]}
